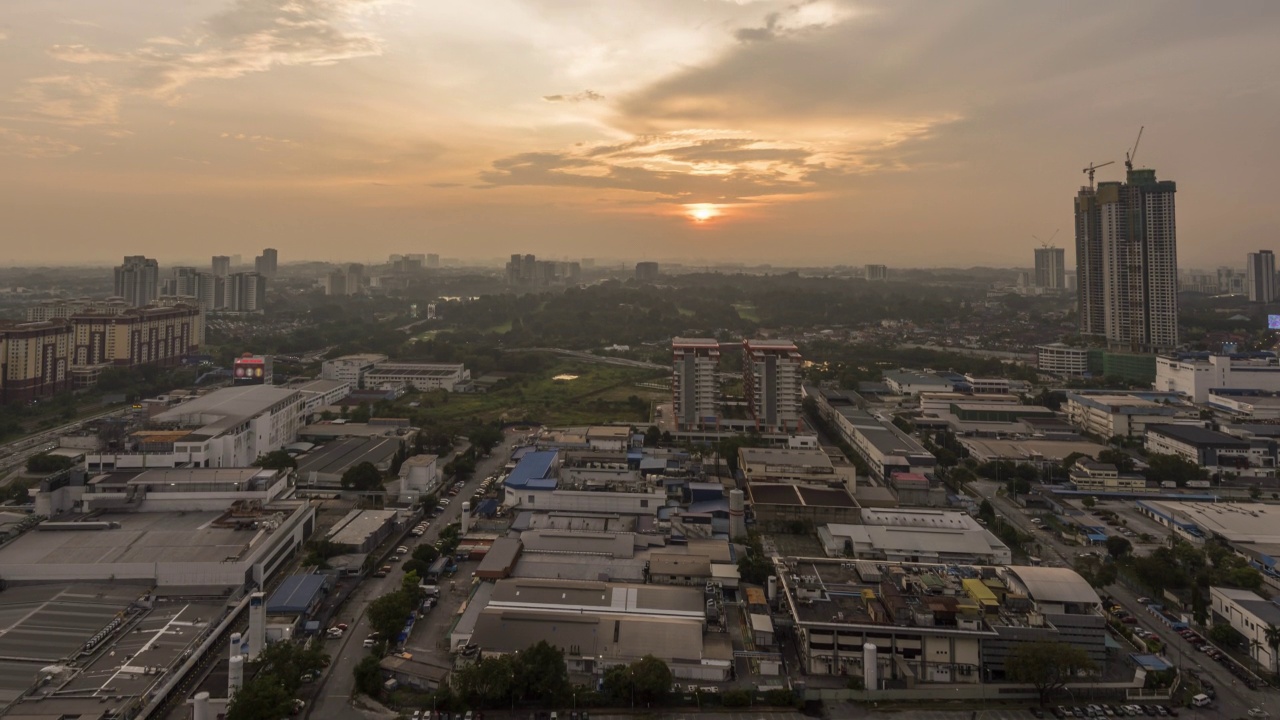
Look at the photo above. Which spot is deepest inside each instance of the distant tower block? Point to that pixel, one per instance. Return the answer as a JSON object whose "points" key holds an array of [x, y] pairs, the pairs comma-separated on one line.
{"points": [[257, 624], [235, 675], [466, 517], [737, 518]]}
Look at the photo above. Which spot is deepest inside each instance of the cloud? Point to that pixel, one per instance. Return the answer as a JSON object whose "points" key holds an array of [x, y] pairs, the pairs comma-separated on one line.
{"points": [[70, 100], [251, 36], [3, 36], [19, 144], [585, 95], [803, 17]]}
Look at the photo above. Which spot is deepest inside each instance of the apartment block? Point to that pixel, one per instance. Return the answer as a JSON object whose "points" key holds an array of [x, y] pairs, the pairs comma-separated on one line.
{"points": [[138, 336], [34, 359], [771, 380], [695, 386]]}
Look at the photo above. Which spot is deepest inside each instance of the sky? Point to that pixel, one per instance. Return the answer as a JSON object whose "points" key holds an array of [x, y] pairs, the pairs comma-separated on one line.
{"points": [[795, 132]]}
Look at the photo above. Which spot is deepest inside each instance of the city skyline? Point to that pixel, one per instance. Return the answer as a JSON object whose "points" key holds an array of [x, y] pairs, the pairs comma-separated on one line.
{"points": [[873, 132]]}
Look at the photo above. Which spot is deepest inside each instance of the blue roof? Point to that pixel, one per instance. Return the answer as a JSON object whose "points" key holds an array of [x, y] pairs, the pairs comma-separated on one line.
{"points": [[1150, 662], [533, 466], [487, 507], [709, 506], [297, 594]]}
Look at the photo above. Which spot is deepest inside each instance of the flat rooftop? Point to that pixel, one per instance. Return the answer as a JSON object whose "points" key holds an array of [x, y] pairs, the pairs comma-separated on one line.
{"points": [[786, 457], [786, 494], [358, 525], [1029, 450], [244, 402], [337, 457], [440, 371], [141, 538]]}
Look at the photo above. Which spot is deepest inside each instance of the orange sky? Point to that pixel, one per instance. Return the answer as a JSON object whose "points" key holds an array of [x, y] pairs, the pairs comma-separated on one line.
{"points": [[819, 132]]}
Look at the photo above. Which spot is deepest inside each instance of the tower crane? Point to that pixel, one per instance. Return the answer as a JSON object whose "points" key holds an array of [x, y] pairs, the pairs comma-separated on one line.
{"points": [[1049, 242], [1129, 156], [1090, 170]]}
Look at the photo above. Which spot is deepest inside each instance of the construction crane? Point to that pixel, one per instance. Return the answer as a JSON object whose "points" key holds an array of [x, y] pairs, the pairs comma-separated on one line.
{"points": [[1129, 156], [1049, 243], [1090, 170]]}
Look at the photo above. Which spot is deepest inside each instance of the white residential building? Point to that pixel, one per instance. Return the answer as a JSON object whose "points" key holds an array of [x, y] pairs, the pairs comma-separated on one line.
{"points": [[1250, 616], [771, 381], [695, 387], [1060, 359]]}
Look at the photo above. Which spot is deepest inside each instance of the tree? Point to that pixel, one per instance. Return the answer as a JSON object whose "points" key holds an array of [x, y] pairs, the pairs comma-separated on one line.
{"points": [[361, 414], [276, 460], [388, 614], [1162, 467], [1272, 635], [1047, 666], [262, 698], [45, 463], [1118, 546], [541, 674], [1089, 502], [289, 661], [652, 679], [1225, 635], [487, 682], [484, 438], [363, 477], [1121, 459], [409, 585], [1255, 492], [986, 510], [652, 436], [368, 673]]}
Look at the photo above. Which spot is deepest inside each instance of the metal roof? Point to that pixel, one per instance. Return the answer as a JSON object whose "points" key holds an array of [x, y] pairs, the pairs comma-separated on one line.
{"points": [[1056, 585], [296, 594]]}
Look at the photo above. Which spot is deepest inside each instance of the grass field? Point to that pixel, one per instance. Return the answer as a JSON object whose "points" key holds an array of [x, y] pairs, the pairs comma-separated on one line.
{"points": [[601, 393], [747, 311]]}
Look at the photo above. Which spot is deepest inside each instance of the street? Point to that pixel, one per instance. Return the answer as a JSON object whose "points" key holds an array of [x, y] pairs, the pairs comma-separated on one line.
{"points": [[338, 682], [1234, 699]]}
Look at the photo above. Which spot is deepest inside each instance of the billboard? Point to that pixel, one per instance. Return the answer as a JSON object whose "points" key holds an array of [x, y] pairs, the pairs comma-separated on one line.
{"points": [[251, 370], [1273, 322]]}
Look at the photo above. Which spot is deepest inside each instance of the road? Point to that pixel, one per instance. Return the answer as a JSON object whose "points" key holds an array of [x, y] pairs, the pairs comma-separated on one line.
{"points": [[605, 359], [338, 683], [1234, 699], [16, 452]]}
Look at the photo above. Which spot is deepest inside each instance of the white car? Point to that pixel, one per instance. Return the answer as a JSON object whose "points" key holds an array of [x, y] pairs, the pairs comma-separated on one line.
{"points": [[402, 550], [370, 642]]}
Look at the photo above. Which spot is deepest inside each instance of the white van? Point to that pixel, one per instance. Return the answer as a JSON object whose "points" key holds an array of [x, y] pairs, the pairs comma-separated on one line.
{"points": [[1201, 700]]}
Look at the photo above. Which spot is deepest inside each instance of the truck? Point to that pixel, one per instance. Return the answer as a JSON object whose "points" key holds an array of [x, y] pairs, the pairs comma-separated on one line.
{"points": [[1197, 483]]}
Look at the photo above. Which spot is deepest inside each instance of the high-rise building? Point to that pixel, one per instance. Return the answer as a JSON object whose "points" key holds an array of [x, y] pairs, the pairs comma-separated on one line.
{"points": [[138, 280], [35, 359], [185, 282], [221, 265], [876, 272], [138, 336], [211, 291], [1051, 268], [646, 272], [265, 264], [246, 292], [695, 387], [1260, 274], [1127, 262], [771, 381], [433, 261]]}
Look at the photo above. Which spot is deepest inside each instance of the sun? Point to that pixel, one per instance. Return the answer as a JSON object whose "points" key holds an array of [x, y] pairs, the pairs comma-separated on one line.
{"points": [[702, 212]]}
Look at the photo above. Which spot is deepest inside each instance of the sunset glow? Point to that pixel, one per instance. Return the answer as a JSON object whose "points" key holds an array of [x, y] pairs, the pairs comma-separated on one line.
{"points": [[702, 212]]}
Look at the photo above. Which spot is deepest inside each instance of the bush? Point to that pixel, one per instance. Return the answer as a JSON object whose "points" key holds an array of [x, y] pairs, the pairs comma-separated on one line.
{"points": [[736, 698], [784, 698]]}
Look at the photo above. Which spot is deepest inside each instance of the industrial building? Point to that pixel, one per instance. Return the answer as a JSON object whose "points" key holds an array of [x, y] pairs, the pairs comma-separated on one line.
{"points": [[350, 368], [229, 427], [1106, 414], [1213, 450], [1252, 529], [599, 625], [1063, 360], [164, 490], [1249, 615], [419, 376], [775, 505], [914, 535], [363, 530], [1194, 375], [538, 482], [907, 625], [205, 548], [324, 466]]}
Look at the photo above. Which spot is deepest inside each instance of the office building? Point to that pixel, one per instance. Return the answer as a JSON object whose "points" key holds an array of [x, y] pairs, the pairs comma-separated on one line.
{"points": [[1063, 360], [695, 386], [876, 272], [1127, 262], [530, 271], [265, 264], [221, 265], [246, 292], [424, 377], [137, 280], [433, 261], [771, 382], [1051, 268], [34, 359], [185, 283], [646, 272], [1260, 274], [211, 291]]}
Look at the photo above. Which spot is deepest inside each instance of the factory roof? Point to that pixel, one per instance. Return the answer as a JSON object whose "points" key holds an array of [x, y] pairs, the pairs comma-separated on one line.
{"points": [[1265, 610], [249, 477], [358, 525], [692, 566], [297, 594], [239, 403], [591, 635], [413, 370], [1198, 436], [618, 545], [603, 597], [807, 458], [920, 542], [1029, 449], [321, 386], [337, 457], [532, 466], [140, 538], [786, 494], [1056, 585]]}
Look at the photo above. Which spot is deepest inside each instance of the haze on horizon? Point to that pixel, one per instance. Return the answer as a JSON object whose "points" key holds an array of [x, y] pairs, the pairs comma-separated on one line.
{"points": [[812, 132]]}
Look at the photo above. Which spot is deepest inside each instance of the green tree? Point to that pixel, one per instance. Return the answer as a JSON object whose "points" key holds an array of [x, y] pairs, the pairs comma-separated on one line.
{"points": [[652, 436], [986, 511], [1121, 459], [409, 585], [388, 614], [484, 438], [289, 661], [45, 463], [1162, 467], [652, 679], [368, 674], [1047, 666], [1089, 502], [276, 460], [488, 682], [1226, 636], [363, 477], [1272, 635], [262, 698], [361, 414], [541, 674], [1118, 546]]}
